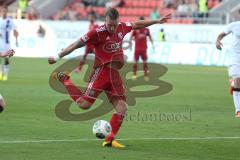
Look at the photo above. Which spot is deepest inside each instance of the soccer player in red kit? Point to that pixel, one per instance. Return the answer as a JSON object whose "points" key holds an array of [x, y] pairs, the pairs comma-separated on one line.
{"points": [[88, 49], [140, 37], [109, 58]]}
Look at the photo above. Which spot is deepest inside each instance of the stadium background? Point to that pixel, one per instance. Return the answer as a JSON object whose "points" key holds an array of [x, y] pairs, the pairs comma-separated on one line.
{"points": [[30, 130]]}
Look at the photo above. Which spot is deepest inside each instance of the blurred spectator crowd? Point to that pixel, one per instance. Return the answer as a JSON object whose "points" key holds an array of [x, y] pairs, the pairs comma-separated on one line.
{"points": [[80, 9], [129, 9]]}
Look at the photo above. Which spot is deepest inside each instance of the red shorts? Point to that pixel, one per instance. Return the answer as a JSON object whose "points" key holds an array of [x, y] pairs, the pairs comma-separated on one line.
{"points": [[105, 79], [140, 53]]}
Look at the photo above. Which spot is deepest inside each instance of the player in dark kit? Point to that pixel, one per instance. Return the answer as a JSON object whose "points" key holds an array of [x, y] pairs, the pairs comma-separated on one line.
{"points": [[140, 37], [109, 58]]}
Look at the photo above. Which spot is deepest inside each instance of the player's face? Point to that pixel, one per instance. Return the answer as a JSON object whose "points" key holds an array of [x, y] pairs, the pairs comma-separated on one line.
{"points": [[4, 12], [111, 25]]}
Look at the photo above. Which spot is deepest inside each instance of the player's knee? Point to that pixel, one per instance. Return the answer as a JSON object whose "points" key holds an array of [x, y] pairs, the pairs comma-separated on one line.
{"points": [[83, 104], [121, 107]]}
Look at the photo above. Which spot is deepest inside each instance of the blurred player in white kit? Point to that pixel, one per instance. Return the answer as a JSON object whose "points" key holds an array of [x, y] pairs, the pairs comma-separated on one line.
{"points": [[234, 66], [6, 26]]}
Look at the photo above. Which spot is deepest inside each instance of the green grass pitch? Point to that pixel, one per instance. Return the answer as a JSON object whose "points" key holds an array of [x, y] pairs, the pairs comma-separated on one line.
{"points": [[203, 91]]}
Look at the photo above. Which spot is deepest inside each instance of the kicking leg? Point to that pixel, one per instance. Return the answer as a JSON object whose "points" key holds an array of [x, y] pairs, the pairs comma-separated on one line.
{"points": [[74, 92]]}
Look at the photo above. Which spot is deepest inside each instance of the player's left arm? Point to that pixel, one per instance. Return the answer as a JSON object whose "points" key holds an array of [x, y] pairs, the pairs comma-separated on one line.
{"points": [[146, 23]]}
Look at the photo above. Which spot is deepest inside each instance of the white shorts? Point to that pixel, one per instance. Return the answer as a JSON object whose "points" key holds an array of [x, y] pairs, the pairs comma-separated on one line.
{"points": [[234, 70], [5, 47]]}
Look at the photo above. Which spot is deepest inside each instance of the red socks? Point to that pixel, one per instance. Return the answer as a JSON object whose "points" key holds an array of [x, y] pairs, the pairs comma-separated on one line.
{"points": [[73, 91], [115, 123], [135, 69]]}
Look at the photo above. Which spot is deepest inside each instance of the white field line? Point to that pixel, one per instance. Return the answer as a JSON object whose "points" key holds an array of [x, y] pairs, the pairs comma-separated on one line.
{"points": [[123, 139]]}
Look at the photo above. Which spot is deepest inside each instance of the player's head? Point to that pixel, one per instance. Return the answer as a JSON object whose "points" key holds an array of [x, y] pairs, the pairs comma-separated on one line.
{"points": [[141, 18], [111, 20], [162, 30], [4, 11]]}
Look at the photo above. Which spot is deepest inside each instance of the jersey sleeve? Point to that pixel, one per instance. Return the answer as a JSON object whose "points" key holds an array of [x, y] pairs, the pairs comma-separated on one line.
{"points": [[90, 38], [228, 29], [127, 27]]}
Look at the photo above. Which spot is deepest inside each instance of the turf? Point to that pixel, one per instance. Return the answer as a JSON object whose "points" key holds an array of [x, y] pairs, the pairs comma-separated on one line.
{"points": [[198, 106]]}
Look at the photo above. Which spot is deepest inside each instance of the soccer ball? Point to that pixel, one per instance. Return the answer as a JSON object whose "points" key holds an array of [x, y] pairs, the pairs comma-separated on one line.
{"points": [[101, 129]]}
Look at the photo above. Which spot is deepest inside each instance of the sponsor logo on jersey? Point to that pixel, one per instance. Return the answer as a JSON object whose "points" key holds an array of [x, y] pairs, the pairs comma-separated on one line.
{"points": [[111, 47]]}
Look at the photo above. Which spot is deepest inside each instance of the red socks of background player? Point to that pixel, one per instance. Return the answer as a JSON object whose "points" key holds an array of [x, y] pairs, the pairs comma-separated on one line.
{"points": [[145, 68], [135, 69], [73, 91], [115, 123]]}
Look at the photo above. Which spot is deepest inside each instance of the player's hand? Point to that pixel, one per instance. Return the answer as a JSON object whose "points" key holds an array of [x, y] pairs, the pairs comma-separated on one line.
{"points": [[165, 18], [8, 53], [219, 45], [51, 60]]}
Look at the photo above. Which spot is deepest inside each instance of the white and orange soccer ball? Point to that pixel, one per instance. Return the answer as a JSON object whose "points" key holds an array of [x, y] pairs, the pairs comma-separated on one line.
{"points": [[101, 129]]}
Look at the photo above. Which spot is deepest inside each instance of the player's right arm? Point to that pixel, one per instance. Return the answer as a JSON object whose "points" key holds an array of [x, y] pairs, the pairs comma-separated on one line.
{"points": [[90, 38], [66, 51]]}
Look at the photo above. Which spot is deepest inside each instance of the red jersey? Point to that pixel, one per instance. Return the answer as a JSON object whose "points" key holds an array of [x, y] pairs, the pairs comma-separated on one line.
{"points": [[140, 37], [107, 47], [89, 49]]}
